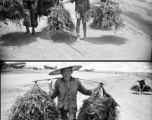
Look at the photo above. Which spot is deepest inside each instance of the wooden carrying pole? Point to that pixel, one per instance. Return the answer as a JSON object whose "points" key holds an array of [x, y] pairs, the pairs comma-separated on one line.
{"points": [[58, 78]]}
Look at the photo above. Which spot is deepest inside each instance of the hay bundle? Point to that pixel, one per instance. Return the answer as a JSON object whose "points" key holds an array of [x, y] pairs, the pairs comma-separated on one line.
{"points": [[135, 88], [43, 7], [98, 108], [11, 10], [34, 105], [147, 88], [59, 20], [106, 15]]}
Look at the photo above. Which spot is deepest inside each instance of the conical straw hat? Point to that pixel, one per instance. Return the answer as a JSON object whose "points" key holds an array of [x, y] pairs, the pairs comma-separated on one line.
{"points": [[64, 65]]}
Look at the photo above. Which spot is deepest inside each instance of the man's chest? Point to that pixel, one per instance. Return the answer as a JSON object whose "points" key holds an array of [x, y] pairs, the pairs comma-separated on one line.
{"points": [[71, 87]]}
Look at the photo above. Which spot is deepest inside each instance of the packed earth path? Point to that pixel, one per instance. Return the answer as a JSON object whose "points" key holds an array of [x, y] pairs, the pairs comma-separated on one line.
{"points": [[132, 42]]}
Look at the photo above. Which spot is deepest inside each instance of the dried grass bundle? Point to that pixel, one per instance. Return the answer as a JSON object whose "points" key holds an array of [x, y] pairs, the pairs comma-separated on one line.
{"points": [[43, 7], [34, 105], [11, 10], [59, 20], [146, 88], [106, 15], [135, 88], [98, 108]]}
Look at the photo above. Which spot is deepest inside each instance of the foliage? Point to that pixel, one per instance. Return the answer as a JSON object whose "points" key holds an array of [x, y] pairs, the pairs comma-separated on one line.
{"points": [[59, 20], [43, 7], [135, 88], [34, 105], [98, 108], [147, 88], [11, 10], [106, 15]]}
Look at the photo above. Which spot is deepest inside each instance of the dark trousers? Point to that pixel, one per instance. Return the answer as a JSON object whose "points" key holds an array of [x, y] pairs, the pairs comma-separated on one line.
{"points": [[65, 115]]}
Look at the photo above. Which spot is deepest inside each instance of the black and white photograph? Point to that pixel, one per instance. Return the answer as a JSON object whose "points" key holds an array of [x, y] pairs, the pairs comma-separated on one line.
{"points": [[75, 29], [76, 59], [76, 90]]}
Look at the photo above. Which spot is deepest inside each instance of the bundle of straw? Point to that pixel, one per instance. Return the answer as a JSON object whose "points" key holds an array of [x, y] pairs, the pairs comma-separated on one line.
{"points": [[135, 88], [34, 105], [43, 7], [59, 20], [11, 10], [98, 108], [147, 88], [106, 15]]}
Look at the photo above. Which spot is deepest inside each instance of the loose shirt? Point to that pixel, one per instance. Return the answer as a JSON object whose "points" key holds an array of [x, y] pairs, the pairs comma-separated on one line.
{"points": [[67, 95]]}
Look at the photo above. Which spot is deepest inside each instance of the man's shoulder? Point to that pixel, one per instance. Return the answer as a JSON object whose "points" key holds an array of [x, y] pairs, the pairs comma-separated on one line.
{"points": [[58, 80], [76, 80]]}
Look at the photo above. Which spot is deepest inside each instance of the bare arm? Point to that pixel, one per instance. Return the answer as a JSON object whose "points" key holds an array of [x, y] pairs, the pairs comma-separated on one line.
{"points": [[50, 89], [97, 88], [85, 91], [53, 93]]}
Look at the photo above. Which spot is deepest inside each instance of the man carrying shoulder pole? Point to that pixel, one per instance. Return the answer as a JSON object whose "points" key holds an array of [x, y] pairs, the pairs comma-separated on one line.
{"points": [[65, 89]]}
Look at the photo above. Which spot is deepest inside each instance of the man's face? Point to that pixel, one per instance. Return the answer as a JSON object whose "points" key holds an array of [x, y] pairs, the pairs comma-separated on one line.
{"points": [[66, 73]]}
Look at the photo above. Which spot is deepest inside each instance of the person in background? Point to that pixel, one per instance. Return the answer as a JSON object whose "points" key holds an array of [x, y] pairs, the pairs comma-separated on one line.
{"points": [[66, 89], [142, 84], [81, 7], [30, 15]]}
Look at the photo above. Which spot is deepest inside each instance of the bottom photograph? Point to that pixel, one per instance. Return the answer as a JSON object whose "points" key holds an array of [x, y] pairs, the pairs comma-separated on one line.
{"points": [[76, 90]]}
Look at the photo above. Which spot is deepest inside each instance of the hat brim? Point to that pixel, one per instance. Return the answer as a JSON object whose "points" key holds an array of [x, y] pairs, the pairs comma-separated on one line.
{"points": [[58, 71]]}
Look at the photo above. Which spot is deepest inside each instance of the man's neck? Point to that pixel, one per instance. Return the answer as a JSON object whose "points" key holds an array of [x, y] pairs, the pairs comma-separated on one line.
{"points": [[67, 80]]}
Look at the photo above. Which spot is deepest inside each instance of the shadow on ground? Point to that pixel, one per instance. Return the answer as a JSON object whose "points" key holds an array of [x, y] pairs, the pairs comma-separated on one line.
{"points": [[142, 94], [92, 26], [20, 39], [17, 39], [63, 38], [147, 93], [108, 39]]}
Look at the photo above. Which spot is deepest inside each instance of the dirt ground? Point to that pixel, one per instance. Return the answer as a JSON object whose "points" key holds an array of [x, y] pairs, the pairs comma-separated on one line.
{"points": [[133, 106], [132, 42]]}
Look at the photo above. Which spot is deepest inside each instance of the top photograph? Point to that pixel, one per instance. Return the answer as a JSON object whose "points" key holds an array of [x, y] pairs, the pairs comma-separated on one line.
{"points": [[76, 30]]}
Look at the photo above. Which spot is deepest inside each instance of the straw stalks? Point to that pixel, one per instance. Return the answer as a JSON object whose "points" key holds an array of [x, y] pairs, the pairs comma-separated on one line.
{"points": [[98, 108], [106, 16], [11, 10], [34, 105], [147, 88], [136, 88], [59, 20], [43, 7]]}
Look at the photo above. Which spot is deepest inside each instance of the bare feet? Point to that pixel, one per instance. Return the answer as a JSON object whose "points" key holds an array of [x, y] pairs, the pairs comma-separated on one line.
{"points": [[78, 39], [27, 33], [85, 39], [34, 33]]}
